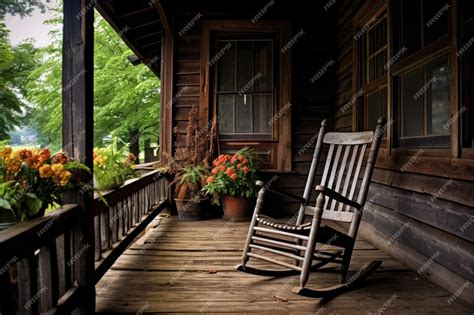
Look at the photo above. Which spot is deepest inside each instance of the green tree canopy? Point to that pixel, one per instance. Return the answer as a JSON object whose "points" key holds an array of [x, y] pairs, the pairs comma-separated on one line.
{"points": [[126, 97], [19, 7], [16, 64]]}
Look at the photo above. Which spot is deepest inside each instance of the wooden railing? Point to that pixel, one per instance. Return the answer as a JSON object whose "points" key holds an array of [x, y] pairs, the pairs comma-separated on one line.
{"points": [[120, 215], [39, 264], [42, 261]]}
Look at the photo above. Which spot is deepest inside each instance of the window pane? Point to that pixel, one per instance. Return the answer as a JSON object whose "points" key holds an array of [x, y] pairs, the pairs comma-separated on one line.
{"points": [[412, 103], [438, 97], [245, 70], [264, 66], [376, 107], [411, 25], [378, 36], [226, 66], [225, 112], [243, 114], [262, 113], [435, 20]]}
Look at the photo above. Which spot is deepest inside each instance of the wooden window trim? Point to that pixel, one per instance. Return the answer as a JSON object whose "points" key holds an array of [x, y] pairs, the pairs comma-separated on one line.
{"points": [[282, 126], [454, 162]]}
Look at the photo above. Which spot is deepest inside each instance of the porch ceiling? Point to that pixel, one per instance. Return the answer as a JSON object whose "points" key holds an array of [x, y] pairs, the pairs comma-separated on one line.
{"points": [[139, 25]]}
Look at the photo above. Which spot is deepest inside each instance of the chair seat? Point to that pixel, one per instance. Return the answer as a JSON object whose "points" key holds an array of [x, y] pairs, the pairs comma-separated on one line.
{"points": [[326, 234], [285, 226]]}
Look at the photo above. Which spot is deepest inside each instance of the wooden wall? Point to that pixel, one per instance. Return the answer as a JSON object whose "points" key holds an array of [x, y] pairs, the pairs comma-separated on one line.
{"points": [[311, 102], [411, 211]]}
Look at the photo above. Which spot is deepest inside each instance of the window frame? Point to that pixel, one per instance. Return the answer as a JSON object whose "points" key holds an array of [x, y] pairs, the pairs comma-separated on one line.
{"points": [[278, 149]]}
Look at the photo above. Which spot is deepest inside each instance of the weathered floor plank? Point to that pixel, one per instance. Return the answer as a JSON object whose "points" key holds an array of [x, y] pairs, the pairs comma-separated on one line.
{"points": [[187, 268]]}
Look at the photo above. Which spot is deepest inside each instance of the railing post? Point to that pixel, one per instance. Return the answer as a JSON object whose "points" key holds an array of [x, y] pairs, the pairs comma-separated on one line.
{"points": [[77, 90]]}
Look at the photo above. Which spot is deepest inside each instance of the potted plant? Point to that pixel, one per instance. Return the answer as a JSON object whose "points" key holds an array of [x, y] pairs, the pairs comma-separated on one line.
{"points": [[189, 199], [112, 167], [190, 167], [233, 180], [32, 181]]}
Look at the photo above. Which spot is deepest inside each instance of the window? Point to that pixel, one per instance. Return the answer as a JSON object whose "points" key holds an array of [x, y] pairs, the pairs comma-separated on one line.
{"points": [[373, 48], [245, 89], [423, 76]]}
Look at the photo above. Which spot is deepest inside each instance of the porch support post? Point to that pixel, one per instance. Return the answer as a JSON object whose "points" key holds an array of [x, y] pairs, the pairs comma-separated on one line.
{"points": [[167, 102], [78, 106]]}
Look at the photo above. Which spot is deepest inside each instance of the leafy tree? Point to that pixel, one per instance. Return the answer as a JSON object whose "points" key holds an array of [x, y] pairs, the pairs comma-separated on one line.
{"points": [[21, 8], [15, 66], [126, 97]]}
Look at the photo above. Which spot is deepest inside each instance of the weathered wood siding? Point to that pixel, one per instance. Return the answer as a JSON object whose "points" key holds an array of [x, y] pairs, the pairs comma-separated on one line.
{"points": [[311, 101], [427, 213]]}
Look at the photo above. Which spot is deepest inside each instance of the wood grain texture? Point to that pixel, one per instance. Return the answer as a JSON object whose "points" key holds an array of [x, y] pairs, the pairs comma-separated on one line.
{"points": [[188, 267]]}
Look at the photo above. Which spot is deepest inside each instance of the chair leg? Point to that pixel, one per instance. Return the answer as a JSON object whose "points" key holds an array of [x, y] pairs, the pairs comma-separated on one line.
{"points": [[311, 246], [346, 260], [253, 223]]}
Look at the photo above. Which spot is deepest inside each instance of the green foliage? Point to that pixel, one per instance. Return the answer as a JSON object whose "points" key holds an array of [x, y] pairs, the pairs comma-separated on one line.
{"points": [[112, 166], [126, 97], [15, 67], [21, 8], [190, 181], [233, 175]]}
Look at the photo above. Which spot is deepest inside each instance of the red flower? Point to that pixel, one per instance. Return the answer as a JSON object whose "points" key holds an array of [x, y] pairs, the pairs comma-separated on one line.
{"points": [[233, 159], [233, 176], [246, 169], [245, 161], [215, 171], [222, 168], [210, 179], [241, 157], [230, 171], [239, 165]]}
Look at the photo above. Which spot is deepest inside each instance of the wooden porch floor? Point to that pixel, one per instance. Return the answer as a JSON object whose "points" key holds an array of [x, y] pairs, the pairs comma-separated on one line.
{"points": [[187, 267]]}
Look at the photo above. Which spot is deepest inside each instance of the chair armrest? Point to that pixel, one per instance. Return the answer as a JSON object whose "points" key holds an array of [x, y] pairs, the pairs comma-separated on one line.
{"points": [[285, 194], [337, 196]]}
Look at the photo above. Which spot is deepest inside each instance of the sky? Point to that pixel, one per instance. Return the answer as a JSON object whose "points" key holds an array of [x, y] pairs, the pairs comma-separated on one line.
{"points": [[30, 27]]}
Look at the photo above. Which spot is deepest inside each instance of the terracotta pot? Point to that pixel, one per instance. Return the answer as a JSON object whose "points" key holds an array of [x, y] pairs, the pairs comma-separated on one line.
{"points": [[189, 210], [236, 208]]}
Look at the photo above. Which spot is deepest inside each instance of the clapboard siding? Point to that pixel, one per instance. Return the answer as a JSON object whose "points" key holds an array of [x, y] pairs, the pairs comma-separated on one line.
{"points": [[436, 208]]}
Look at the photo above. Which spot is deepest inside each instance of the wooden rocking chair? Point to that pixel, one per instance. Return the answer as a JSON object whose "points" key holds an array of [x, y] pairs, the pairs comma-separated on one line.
{"points": [[340, 186]]}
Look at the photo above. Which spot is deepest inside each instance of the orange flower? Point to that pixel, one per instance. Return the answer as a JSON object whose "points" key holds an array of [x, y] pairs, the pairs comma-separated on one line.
{"points": [[210, 179], [25, 154], [245, 161], [45, 154], [233, 159], [131, 157], [246, 169], [233, 176], [13, 163], [230, 171], [45, 171], [60, 158], [215, 171], [222, 168], [5, 152], [241, 157]]}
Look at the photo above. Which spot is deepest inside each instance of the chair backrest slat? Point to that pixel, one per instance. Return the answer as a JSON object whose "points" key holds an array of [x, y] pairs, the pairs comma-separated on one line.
{"points": [[334, 168], [328, 164], [347, 180], [340, 175], [355, 177]]}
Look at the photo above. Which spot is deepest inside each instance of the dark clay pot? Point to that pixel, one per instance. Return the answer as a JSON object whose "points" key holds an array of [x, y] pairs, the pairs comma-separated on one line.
{"points": [[189, 210]]}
